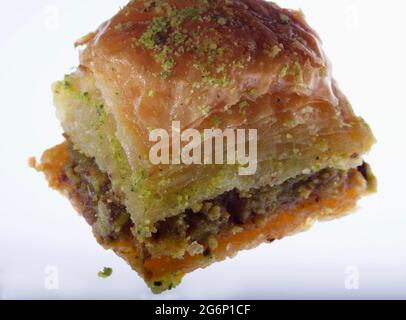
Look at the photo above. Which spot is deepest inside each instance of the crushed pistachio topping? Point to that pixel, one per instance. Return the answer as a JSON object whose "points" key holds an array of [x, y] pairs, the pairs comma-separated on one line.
{"points": [[150, 93], [242, 105], [85, 97], [294, 69], [66, 83], [106, 273], [217, 121], [119, 157], [284, 71], [122, 26], [204, 110], [138, 185], [101, 113], [169, 35], [284, 18], [165, 34], [222, 21], [164, 183], [273, 52], [297, 69]]}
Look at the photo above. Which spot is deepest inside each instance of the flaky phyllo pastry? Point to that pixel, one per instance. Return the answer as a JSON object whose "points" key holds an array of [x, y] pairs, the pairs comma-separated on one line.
{"points": [[227, 64]]}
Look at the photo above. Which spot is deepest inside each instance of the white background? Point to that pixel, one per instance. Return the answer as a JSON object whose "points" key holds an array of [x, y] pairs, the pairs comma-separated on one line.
{"points": [[38, 228]]}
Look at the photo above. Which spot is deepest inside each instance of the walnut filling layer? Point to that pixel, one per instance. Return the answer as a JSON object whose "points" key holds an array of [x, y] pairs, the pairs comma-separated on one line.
{"points": [[195, 230]]}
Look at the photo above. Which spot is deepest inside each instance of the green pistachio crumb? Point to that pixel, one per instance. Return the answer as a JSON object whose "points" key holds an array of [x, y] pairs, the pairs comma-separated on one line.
{"points": [[274, 52], [101, 113], [87, 99], [158, 26], [167, 67], [283, 73], [106, 273], [66, 83], [242, 105], [217, 121], [297, 68], [284, 18], [222, 21]]}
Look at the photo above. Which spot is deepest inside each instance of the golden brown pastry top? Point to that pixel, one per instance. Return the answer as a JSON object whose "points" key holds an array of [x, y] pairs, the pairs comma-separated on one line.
{"points": [[160, 61]]}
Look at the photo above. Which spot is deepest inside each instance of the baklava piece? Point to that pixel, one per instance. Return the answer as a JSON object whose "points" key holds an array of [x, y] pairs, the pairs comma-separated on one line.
{"points": [[242, 64]]}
